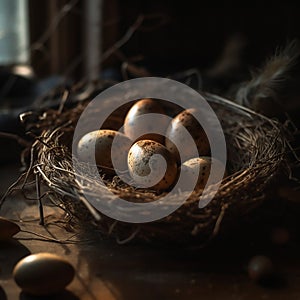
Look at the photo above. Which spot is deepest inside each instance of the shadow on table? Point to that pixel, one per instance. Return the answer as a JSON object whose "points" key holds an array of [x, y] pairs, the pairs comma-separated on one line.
{"points": [[148, 272], [2, 294], [218, 271], [64, 295], [11, 252]]}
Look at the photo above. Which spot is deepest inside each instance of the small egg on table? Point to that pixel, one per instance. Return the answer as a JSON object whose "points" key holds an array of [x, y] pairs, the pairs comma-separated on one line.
{"points": [[43, 274], [261, 269]]}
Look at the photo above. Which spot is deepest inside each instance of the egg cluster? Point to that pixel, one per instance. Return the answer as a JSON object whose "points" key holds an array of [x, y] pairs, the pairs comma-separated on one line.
{"points": [[152, 160]]}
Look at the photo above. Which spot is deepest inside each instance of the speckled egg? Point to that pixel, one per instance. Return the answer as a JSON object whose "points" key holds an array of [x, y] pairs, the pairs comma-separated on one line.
{"points": [[8, 229], [102, 141], [175, 136], [200, 167], [152, 165], [136, 128], [43, 274]]}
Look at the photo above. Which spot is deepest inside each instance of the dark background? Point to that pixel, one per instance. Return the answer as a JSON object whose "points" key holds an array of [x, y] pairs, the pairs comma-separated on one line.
{"points": [[177, 34]]}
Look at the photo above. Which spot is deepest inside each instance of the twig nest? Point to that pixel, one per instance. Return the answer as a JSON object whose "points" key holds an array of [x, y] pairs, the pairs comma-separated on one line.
{"points": [[256, 154], [43, 274], [152, 165], [176, 136], [200, 167], [8, 229], [138, 128], [98, 145]]}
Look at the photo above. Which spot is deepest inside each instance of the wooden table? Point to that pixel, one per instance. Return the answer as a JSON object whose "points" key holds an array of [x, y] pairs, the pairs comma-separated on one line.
{"points": [[107, 271]]}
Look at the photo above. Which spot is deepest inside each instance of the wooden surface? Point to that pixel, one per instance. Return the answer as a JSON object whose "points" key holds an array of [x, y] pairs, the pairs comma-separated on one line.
{"points": [[106, 270]]}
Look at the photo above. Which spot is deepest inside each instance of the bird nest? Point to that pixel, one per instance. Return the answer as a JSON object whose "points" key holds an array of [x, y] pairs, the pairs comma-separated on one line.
{"points": [[256, 153]]}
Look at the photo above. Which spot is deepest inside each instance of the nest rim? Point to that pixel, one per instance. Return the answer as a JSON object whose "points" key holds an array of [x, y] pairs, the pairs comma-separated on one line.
{"points": [[188, 222]]}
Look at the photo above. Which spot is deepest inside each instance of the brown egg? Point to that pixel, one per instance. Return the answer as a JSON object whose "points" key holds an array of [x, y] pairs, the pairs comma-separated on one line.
{"points": [[175, 136], [133, 127], [103, 145], [8, 229], [200, 167], [43, 274], [261, 269], [147, 168]]}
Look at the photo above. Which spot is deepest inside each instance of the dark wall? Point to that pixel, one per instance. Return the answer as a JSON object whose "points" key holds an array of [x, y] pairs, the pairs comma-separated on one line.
{"points": [[174, 35], [194, 32]]}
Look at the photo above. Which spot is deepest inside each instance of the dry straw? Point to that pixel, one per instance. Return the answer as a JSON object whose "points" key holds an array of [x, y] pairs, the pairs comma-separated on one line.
{"points": [[257, 150]]}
